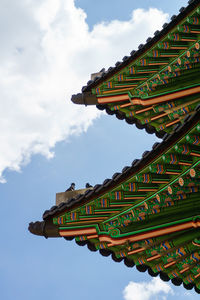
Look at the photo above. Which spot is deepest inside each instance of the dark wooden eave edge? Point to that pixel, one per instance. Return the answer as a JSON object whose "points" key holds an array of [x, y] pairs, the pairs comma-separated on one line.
{"points": [[44, 228], [86, 98]]}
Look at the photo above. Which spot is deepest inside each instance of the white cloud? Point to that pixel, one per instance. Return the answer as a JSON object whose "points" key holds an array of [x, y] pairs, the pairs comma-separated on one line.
{"points": [[47, 53], [147, 290]]}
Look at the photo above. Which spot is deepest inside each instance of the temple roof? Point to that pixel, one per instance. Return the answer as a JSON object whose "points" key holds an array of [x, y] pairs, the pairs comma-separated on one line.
{"points": [[146, 88], [136, 166], [142, 48], [148, 214], [56, 224]]}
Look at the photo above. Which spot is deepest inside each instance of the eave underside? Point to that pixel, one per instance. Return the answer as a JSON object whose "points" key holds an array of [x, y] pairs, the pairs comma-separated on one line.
{"points": [[157, 85], [148, 216]]}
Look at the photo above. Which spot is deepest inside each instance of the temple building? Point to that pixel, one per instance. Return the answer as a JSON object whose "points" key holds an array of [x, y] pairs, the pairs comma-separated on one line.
{"points": [[149, 214]]}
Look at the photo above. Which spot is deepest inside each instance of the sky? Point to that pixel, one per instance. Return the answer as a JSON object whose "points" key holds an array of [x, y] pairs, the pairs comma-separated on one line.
{"points": [[48, 50]]}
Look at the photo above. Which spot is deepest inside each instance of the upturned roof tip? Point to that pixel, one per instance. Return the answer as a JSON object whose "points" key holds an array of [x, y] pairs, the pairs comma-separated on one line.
{"points": [[84, 98]]}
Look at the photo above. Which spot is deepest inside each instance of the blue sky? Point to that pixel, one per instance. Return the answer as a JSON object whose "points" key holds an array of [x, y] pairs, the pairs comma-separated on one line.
{"points": [[47, 144]]}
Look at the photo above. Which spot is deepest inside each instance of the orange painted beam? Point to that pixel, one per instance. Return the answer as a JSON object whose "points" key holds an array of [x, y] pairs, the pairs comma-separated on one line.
{"points": [[78, 231], [150, 234], [152, 101]]}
